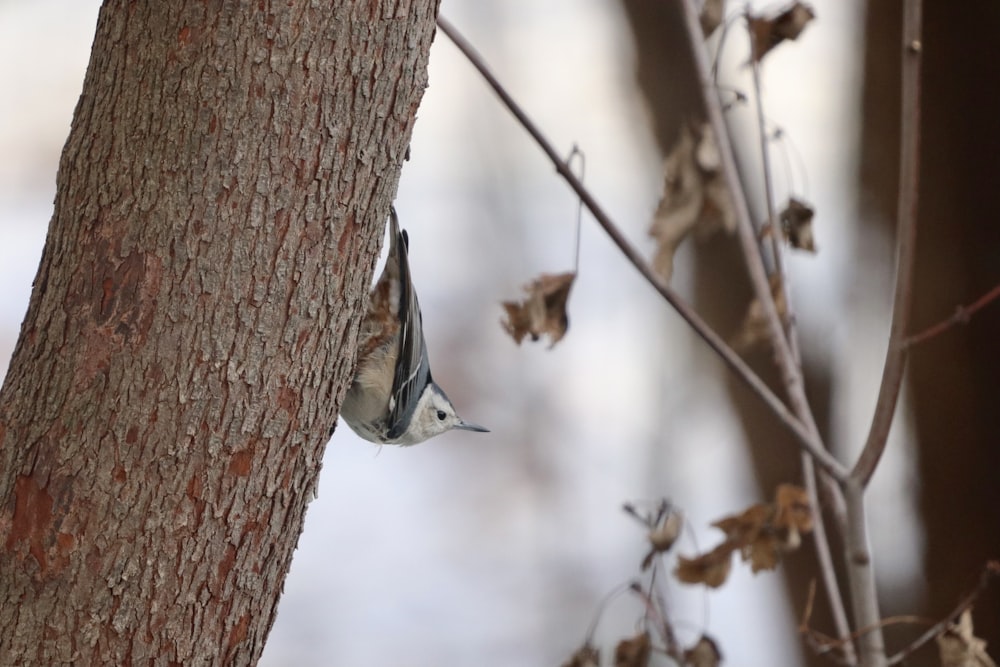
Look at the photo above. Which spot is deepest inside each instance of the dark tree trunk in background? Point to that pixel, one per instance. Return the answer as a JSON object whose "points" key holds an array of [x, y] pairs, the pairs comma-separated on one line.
{"points": [[954, 380], [220, 204], [722, 290]]}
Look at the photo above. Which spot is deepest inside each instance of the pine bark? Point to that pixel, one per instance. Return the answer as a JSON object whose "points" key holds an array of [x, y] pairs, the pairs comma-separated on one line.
{"points": [[219, 209]]}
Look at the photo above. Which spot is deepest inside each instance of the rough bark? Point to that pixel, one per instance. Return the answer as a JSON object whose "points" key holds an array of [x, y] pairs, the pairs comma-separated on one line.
{"points": [[219, 208]]}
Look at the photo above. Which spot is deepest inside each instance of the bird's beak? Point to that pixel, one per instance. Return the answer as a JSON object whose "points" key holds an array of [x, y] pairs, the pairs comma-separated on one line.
{"points": [[466, 426]]}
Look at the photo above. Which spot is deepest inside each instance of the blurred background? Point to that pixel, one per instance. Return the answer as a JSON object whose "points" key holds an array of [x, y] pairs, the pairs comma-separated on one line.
{"points": [[497, 550]]}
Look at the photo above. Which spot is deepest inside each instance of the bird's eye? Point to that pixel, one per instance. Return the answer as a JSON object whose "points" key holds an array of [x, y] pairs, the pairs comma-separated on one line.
{"points": [[441, 415]]}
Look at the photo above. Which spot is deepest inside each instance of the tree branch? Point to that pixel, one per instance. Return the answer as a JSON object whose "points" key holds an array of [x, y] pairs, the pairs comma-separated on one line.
{"points": [[803, 432], [906, 237], [785, 349], [861, 577], [990, 572], [791, 374], [961, 315]]}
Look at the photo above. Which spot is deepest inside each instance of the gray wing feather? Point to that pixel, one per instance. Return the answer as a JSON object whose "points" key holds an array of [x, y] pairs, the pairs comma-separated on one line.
{"points": [[412, 370]]}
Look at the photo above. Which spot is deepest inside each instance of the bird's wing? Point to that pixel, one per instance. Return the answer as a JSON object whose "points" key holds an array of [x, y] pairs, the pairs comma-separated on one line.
{"points": [[412, 371]]}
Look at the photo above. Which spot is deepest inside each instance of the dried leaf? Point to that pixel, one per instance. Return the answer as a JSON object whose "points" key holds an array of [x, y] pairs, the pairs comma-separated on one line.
{"points": [[763, 532], [763, 553], [543, 312], [742, 529], [663, 534], [719, 211], [694, 195], [796, 224], [633, 652], [711, 16], [752, 532], [703, 654], [754, 328], [664, 525], [958, 646], [792, 504], [586, 656], [681, 204], [710, 569], [768, 32]]}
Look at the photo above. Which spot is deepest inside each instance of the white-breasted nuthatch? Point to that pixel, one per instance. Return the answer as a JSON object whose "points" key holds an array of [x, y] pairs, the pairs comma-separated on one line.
{"points": [[392, 399]]}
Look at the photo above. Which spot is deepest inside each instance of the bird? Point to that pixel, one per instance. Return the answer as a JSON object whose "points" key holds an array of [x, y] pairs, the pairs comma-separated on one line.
{"points": [[393, 399]]}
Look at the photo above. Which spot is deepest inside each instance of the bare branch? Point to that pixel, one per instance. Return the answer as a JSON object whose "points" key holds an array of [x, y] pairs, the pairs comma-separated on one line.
{"points": [[791, 374], [991, 571], [805, 433], [825, 557], [906, 237], [861, 577], [785, 349], [765, 158], [961, 316]]}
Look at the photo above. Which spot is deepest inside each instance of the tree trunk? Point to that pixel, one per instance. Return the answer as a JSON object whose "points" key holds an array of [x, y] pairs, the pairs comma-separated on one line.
{"points": [[953, 379], [191, 331]]}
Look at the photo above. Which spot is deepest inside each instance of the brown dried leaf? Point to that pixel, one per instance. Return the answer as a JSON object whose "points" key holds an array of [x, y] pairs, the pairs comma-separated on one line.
{"points": [[763, 553], [703, 654], [796, 224], [763, 532], [752, 532], [711, 16], [711, 569], [694, 195], [754, 328], [586, 656], [633, 652], [678, 210], [768, 32], [742, 529], [543, 312], [719, 213], [958, 646], [792, 509]]}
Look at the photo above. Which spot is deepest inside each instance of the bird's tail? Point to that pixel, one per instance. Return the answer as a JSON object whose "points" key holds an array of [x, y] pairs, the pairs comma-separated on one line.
{"points": [[398, 239]]}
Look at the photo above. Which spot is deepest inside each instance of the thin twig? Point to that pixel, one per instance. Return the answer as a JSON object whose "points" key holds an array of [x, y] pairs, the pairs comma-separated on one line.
{"points": [[576, 152], [823, 644], [825, 557], [798, 168], [765, 159], [601, 607], [652, 611], [791, 374], [906, 237], [786, 357], [806, 437], [772, 219], [823, 551], [962, 315], [991, 570]]}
